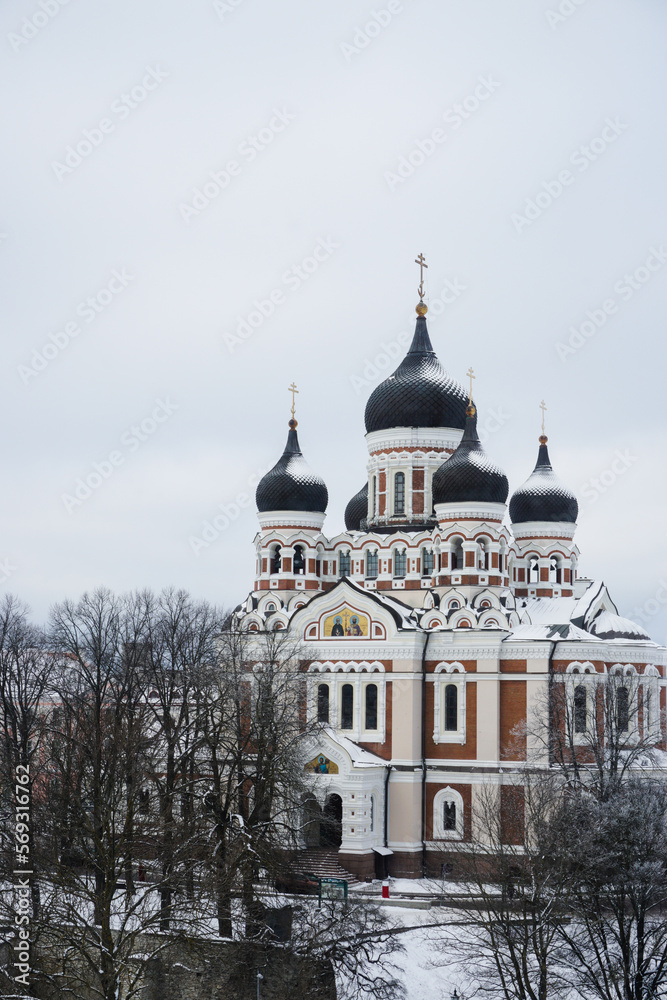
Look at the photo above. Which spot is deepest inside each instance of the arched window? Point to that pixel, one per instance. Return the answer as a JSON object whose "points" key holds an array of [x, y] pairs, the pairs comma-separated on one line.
{"points": [[622, 710], [457, 553], [344, 564], [400, 561], [270, 607], [346, 706], [451, 708], [299, 560], [580, 708], [555, 570], [449, 815], [502, 558], [483, 554], [454, 605], [318, 567], [533, 570], [371, 719], [323, 703], [276, 560], [399, 493], [371, 564], [428, 562]]}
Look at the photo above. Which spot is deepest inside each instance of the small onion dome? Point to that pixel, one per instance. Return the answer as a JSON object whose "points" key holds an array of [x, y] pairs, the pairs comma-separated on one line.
{"points": [[291, 484], [543, 497], [357, 509], [420, 393], [469, 476]]}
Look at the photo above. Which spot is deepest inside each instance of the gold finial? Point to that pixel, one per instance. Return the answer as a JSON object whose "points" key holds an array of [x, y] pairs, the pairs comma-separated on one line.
{"points": [[293, 389], [543, 437], [421, 308]]}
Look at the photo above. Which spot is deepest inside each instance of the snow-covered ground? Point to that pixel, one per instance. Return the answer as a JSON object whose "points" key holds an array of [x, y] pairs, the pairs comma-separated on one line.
{"points": [[428, 971]]}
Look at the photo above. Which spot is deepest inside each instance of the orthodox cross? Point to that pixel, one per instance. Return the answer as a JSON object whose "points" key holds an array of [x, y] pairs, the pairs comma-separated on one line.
{"points": [[293, 389], [471, 375], [543, 407], [421, 260]]}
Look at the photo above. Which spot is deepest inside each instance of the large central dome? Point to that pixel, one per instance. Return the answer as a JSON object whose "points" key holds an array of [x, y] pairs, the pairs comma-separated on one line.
{"points": [[420, 393]]}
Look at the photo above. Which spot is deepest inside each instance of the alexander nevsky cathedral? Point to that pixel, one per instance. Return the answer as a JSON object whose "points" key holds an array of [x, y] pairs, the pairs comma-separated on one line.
{"points": [[432, 625]]}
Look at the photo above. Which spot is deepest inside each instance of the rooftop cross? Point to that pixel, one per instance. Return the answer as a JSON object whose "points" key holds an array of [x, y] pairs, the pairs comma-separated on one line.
{"points": [[293, 389], [421, 260], [543, 407], [471, 375]]}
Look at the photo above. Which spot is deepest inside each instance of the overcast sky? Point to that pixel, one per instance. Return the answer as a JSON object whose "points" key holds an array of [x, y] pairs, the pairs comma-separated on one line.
{"points": [[204, 201]]}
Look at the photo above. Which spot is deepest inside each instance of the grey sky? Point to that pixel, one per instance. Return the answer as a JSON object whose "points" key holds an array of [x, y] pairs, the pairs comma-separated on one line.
{"points": [[337, 107]]}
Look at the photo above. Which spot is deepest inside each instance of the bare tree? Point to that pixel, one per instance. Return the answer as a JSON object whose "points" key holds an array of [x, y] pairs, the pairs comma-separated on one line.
{"points": [[179, 650], [94, 924], [253, 733], [613, 852], [513, 894]]}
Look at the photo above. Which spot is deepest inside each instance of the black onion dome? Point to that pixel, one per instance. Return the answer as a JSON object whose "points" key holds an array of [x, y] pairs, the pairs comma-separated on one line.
{"points": [[291, 484], [470, 475], [357, 509], [543, 497], [420, 393]]}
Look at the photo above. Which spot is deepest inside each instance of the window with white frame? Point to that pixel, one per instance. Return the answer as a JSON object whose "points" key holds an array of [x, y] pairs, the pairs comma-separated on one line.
{"points": [[346, 706], [581, 694], [400, 562], [651, 693], [449, 698], [323, 696], [370, 707], [399, 493], [350, 697], [371, 564], [625, 700], [448, 815], [344, 564], [580, 709], [428, 562]]}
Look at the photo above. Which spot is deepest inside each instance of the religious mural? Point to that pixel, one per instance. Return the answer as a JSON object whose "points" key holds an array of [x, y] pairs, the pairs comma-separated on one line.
{"points": [[345, 622], [321, 765]]}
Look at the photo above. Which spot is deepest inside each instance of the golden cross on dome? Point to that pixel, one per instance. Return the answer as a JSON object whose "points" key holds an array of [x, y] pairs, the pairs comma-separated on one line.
{"points": [[293, 389], [543, 407], [421, 260], [471, 375]]}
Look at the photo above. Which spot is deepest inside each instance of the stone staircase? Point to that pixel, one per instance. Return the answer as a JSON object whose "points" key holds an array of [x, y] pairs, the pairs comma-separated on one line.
{"points": [[324, 864]]}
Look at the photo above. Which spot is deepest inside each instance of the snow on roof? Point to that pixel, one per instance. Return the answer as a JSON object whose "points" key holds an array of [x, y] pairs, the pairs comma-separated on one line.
{"points": [[549, 611], [609, 626], [552, 632], [360, 757]]}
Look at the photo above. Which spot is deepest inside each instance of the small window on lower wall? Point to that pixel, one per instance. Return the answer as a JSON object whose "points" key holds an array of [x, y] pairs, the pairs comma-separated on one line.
{"points": [[448, 818]]}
